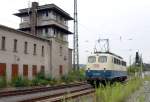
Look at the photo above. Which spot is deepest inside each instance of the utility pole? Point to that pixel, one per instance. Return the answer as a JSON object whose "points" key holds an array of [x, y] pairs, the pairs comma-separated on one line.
{"points": [[75, 39]]}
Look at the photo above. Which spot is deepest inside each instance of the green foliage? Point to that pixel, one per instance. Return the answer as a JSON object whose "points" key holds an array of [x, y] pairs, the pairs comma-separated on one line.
{"points": [[78, 75], [133, 69], [40, 79], [20, 82], [3, 82], [40, 75], [117, 92]]}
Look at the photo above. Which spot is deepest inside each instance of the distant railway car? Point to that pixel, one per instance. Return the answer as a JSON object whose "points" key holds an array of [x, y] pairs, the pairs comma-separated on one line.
{"points": [[105, 66]]}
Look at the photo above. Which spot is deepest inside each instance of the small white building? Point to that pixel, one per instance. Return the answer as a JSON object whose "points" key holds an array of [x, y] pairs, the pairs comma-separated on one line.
{"points": [[40, 44]]}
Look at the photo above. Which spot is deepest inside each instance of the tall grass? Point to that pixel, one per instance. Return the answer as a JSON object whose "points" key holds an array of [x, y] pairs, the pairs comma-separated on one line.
{"points": [[3, 82], [117, 92], [72, 76]]}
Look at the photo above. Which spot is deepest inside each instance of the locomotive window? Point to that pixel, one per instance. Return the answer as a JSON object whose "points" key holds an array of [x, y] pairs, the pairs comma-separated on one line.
{"points": [[102, 59], [91, 59]]}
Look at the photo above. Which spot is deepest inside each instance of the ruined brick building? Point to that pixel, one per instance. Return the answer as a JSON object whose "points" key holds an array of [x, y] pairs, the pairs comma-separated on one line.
{"points": [[39, 45]]}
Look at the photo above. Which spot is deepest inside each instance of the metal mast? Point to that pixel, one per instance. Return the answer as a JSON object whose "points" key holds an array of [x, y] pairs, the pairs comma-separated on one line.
{"points": [[75, 39]]}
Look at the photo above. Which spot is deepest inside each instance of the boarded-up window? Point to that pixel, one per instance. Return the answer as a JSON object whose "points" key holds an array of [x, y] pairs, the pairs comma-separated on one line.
{"points": [[25, 70], [2, 69], [42, 69], [60, 70], [14, 72], [34, 70]]}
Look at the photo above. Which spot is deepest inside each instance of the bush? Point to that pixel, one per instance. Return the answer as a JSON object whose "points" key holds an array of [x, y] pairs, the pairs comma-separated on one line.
{"points": [[77, 75], [40, 75], [3, 82], [20, 82]]}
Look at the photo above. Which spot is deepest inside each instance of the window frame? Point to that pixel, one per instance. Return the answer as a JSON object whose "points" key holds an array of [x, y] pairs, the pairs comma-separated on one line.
{"points": [[92, 61], [105, 58]]}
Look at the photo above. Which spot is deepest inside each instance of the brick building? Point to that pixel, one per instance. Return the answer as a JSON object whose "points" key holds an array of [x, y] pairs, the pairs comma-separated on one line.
{"points": [[39, 45]]}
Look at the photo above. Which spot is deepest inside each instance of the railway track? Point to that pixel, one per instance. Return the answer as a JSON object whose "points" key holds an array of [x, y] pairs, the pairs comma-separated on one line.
{"points": [[51, 94]]}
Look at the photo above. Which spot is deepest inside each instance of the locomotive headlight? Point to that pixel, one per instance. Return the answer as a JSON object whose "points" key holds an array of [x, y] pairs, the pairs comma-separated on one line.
{"points": [[88, 69], [104, 69]]}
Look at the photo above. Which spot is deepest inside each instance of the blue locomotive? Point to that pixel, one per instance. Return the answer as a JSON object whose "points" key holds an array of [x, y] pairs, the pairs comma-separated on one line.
{"points": [[105, 66]]}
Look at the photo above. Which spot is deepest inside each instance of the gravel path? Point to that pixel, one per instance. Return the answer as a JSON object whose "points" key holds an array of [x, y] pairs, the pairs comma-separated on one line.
{"points": [[141, 95]]}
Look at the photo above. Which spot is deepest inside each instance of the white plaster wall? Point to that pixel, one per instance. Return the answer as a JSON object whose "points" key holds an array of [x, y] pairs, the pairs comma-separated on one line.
{"points": [[9, 57]]}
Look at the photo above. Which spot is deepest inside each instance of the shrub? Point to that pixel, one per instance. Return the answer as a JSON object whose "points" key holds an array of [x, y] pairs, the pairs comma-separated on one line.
{"points": [[20, 82], [40, 75], [76, 75], [3, 82]]}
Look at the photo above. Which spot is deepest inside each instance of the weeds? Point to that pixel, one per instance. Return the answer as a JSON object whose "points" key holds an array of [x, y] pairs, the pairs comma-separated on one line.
{"points": [[3, 82], [117, 92]]}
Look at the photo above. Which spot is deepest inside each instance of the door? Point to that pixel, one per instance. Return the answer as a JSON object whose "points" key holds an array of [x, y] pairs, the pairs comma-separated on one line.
{"points": [[34, 70], [2, 69], [42, 69], [60, 70], [14, 72], [25, 71]]}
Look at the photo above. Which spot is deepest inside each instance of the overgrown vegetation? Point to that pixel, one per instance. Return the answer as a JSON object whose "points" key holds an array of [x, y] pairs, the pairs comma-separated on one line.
{"points": [[117, 92], [3, 82], [20, 82], [40, 79], [78, 75]]}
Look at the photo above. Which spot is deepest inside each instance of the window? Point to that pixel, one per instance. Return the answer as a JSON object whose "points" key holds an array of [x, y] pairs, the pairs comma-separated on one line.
{"points": [[46, 31], [46, 13], [61, 50], [123, 63], [102, 59], [15, 45], [91, 59], [34, 50], [42, 50], [3, 43], [26, 47]]}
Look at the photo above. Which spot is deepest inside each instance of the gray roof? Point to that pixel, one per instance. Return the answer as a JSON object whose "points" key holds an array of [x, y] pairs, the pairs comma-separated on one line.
{"points": [[45, 7]]}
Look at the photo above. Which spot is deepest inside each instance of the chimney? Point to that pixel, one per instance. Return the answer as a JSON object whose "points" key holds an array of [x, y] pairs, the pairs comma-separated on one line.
{"points": [[33, 20]]}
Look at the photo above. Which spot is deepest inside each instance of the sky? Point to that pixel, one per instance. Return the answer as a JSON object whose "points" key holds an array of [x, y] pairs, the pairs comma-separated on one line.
{"points": [[126, 23]]}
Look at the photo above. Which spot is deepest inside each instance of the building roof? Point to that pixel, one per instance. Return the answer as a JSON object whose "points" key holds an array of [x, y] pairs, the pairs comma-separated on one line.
{"points": [[41, 8], [21, 32]]}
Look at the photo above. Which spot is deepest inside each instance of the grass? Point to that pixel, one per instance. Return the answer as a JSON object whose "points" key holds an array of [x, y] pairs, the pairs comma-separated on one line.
{"points": [[117, 92], [3, 82]]}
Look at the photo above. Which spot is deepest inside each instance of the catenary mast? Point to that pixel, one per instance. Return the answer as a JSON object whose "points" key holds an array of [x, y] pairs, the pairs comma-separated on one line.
{"points": [[75, 39]]}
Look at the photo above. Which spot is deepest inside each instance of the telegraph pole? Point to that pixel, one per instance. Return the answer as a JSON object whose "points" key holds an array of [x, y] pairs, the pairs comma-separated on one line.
{"points": [[75, 39]]}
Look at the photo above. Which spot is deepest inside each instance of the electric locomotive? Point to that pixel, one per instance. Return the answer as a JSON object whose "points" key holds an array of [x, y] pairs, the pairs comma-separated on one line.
{"points": [[105, 66]]}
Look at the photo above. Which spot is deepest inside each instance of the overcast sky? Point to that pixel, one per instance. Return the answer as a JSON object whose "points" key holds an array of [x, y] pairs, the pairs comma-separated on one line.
{"points": [[113, 19]]}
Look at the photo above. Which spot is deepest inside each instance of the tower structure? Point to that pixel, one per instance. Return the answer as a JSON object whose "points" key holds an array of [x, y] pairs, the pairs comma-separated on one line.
{"points": [[44, 21], [49, 22], [75, 39]]}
